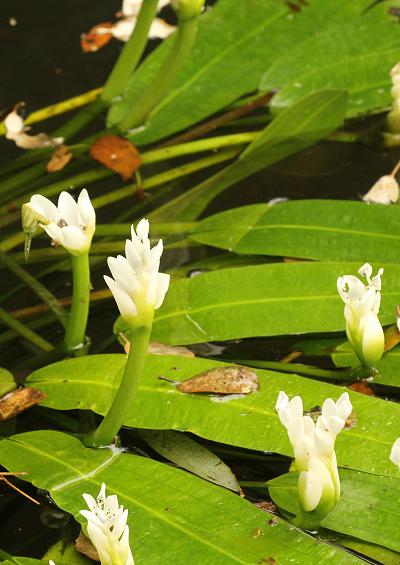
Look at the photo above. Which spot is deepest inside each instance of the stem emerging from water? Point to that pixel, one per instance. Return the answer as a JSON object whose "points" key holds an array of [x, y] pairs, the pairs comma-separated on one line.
{"points": [[114, 419]]}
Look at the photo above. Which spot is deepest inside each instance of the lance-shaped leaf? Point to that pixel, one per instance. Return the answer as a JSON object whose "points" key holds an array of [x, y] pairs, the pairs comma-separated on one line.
{"points": [[173, 516]]}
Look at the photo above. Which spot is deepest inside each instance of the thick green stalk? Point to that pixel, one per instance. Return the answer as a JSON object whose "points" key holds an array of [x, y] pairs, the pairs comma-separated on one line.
{"points": [[131, 53], [76, 329], [165, 76], [108, 429]]}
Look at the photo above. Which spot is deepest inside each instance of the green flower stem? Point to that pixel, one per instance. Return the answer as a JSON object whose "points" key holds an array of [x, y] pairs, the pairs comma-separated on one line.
{"points": [[24, 331], [37, 287], [108, 429], [75, 334], [165, 76], [131, 53], [343, 375]]}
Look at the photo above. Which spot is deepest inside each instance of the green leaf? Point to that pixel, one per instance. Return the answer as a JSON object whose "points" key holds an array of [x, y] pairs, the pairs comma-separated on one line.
{"points": [[298, 127], [187, 453], [376, 552], [59, 551], [356, 56], [235, 44], [250, 422], [310, 229], [262, 300], [173, 517], [366, 509], [7, 383]]}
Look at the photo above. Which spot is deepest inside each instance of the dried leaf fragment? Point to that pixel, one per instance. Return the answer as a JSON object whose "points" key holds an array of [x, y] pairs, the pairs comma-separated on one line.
{"points": [[60, 158], [156, 348], [362, 387], [85, 546], [19, 400], [96, 38], [222, 380], [116, 153]]}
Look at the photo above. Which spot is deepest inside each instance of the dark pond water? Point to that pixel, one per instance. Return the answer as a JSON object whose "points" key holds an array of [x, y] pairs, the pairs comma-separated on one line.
{"points": [[42, 63]]}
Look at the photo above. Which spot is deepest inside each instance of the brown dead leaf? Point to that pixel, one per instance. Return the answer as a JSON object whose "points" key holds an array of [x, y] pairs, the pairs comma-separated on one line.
{"points": [[93, 41], [362, 387], [19, 400], [267, 506], [60, 158], [85, 546], [223, 380], [156, 348], [116, 153]]}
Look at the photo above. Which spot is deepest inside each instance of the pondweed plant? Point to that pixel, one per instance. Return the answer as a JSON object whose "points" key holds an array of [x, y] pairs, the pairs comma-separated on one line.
{"points": [[185, 469]]}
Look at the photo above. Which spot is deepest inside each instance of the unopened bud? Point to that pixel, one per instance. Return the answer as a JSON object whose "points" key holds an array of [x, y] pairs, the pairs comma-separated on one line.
{"points": [[30, 223], [187, 9]]}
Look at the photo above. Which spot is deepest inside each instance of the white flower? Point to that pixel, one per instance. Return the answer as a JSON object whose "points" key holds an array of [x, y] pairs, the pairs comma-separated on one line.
{"points": [[384, 191], [107, 528], [313, 445], [137, 286], [51, 562], [364, 331], [16, 131], [395, 453], [70, 224]]}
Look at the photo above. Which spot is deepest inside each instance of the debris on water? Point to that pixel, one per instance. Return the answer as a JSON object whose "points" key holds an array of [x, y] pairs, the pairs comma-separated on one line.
{"points": [[230, 380], [19, 400], [116, 153]]}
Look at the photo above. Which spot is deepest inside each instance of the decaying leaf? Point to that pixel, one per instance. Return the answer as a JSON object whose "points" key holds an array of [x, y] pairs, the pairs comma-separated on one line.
{"points": [[362, 387], [85, 546], [16, 131], [19, 400], [156, 348], [60, 158], [96, 38], [116, 153], [222, 380]]}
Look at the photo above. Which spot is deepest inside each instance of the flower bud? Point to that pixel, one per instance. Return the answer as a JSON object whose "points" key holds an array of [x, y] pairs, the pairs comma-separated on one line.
{"points": [[362, 302], [187, 9]]}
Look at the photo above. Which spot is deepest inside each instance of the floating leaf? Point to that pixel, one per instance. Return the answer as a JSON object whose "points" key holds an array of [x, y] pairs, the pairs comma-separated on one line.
{"points": [[173, 515], [222, 380], [7, 383], [249, 422], [116, 153], [309, 229]]}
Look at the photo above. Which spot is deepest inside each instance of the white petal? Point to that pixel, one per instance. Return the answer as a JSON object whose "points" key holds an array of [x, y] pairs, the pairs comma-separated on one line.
{"points": [[74, 239], [54, 231], [344, 406], [160, 29], [142, 230], [85, 208], [123, 274], [45, 207], [14, 125], [133, 255], [125, 304], [395, 452], [68, 208], [162, 287], [282, 402], [90, 501], [310, 490]]}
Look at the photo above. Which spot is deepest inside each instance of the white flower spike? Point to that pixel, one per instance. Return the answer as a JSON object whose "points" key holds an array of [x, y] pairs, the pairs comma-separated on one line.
{"points": [[70, 224], [137, 286], [107, 528], [362, 301], [395, 453], [314, 450]]}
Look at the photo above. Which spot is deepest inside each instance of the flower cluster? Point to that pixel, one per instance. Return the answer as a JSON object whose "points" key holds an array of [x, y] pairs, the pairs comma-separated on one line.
{"points": [[362, 302], [70, 223], [137, 286], [314, 450], [107, 528]]}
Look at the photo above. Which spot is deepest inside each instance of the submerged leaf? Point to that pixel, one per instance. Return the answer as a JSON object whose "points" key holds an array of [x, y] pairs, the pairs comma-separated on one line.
{"points": [[117, 154]]}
